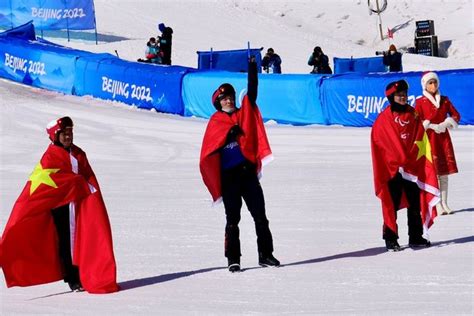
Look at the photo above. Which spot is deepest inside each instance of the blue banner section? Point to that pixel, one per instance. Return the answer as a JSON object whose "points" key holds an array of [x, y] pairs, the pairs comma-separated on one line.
{"points": [[229, 60], [351, 99], [144, 85], [290, 99], [360, 65], [458, 85], [25, 32], [356, 99], [37, 64], [48, 14], [46, 65]]}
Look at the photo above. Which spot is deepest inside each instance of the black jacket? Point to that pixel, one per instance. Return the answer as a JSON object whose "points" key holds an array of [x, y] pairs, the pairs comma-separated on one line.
{"points": [[320, 64], [393, 61], [166, 41]]}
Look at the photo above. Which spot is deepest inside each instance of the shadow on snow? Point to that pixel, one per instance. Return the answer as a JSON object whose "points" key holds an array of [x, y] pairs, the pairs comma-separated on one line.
{"points": [[369, 252], [127, 285], [463, 210]]}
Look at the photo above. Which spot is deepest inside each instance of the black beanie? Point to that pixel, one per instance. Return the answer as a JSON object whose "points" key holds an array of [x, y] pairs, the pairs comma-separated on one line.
{"points": [[396, 86], [225, 89]]}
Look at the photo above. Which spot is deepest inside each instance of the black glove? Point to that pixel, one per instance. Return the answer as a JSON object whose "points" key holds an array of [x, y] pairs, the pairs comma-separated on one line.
{"points": [[234, 132]]}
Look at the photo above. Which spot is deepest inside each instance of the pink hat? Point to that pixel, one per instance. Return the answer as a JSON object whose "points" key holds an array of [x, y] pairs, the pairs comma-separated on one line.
{"points": [[427, 76], [57, 126]]}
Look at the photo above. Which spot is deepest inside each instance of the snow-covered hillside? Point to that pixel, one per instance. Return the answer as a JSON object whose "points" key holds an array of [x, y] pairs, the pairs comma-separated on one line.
{"points": [[342, 28]]}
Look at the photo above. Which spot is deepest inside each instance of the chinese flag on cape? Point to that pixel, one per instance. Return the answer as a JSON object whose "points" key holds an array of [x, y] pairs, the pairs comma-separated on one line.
{"points": [[253, 143], [29, 246], [415, 164]]}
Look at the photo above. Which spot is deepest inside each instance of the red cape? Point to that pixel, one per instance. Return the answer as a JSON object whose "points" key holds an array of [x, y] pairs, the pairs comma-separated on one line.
{"points": [[389, 156], [28, 249], [253, 143]]}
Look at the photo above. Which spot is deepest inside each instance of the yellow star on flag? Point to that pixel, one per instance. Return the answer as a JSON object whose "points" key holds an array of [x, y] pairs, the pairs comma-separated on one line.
{"points": [[424, 148], [39, 176]]}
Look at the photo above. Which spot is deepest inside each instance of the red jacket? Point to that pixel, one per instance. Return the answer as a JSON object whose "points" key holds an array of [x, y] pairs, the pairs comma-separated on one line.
{"points": [[28, 249], [441, 144], [253, 143]]}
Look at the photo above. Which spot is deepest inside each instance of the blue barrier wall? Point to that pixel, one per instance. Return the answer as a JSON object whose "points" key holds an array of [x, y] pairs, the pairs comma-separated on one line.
{"points": [[144, 85], [54, 67], [356, 99], [229, 60], [350, 99], [284, 98], [38, 65], [360, 65], [458, 85], [25, 32]]}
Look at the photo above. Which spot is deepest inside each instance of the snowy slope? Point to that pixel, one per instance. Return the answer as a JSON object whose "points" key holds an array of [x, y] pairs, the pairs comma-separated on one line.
{"points": [[323, 213], [342, 28], [325, 219]]}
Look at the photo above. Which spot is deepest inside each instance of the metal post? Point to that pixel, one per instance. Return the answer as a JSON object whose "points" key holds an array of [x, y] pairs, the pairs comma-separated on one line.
{"points": [[41, 22], [210, 60], [67, 22], [95, 24], [11, 13], [96, 42], [380, 19], [67, 26]]}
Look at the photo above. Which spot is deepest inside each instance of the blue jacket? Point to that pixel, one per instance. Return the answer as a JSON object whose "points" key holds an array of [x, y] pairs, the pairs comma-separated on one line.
{"points": [[272, 64], [153, 51]]}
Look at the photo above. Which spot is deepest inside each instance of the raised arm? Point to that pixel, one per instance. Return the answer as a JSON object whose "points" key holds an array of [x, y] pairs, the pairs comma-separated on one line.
{"points": [[252, 83]]}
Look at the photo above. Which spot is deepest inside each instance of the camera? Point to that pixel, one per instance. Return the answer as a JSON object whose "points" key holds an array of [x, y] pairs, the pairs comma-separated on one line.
{"points": [[380, 53]]}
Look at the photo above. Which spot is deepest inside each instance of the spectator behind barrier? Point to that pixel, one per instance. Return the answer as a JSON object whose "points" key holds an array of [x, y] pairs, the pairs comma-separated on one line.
{"points": [[153, 53], [319, 61], [165, 41], [392, 59], [271, 62]]}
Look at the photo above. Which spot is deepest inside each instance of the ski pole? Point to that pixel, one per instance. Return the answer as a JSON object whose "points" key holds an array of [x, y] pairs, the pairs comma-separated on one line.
{"points": [[248, 50]]}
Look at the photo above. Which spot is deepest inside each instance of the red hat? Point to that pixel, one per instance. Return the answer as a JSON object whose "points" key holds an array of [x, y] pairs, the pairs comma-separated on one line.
{"points": [[396, 86], [224, 90], [57, 126]]}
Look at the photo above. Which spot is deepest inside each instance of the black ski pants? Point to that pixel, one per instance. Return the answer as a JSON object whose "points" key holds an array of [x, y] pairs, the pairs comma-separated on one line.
{"points": [[61, 221], [397, 186], [237, 183]]}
